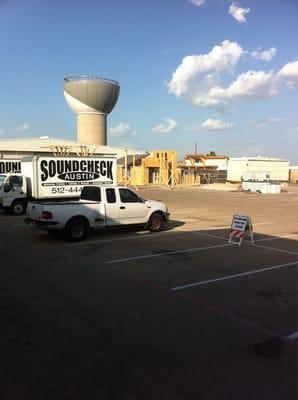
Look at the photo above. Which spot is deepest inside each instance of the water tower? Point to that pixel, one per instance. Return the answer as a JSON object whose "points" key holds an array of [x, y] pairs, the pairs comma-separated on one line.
{"points": [[92, 99]]}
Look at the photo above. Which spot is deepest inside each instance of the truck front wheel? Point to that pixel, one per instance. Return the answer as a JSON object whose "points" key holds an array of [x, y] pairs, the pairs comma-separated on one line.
{"points": [[156, 222], [76, 229], [18, 207]]}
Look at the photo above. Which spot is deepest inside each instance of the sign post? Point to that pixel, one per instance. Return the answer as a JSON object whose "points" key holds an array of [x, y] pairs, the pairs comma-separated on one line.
{"points": [[241, 224]]}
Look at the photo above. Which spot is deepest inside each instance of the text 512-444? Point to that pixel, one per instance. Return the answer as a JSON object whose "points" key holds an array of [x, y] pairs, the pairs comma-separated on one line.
{"points": [[61, 190]]}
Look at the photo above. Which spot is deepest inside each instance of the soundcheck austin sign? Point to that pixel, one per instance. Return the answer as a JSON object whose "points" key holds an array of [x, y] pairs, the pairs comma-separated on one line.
{"points": [[66, 176]]}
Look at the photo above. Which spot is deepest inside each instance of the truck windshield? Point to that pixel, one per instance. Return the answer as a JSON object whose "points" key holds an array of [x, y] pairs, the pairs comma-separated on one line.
{"points": [[2, 179]]}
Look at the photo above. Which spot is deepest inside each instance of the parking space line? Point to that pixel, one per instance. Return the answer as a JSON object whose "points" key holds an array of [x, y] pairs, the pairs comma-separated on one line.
{"points": [[169, 253], [228, 226], [218, 217], [274, 249], [186, 211], [256, 240], [264, 223], [224, 278], [206, 219], [190, 219], [210, 235], [277, 237], [137, 236]]}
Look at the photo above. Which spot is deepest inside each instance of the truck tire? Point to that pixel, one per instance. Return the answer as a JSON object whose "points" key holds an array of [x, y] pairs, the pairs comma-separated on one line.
{"points": [[156, 223], [76, 229], [18, 207]]}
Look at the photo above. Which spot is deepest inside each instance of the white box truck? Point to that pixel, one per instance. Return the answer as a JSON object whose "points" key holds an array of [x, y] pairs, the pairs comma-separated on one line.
{"points": [[53, 178], [10, 166]]}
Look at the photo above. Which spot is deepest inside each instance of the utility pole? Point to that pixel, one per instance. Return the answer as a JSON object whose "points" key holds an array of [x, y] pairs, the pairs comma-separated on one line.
{"points": [[125, 169], [133, 168], [173, 172]]}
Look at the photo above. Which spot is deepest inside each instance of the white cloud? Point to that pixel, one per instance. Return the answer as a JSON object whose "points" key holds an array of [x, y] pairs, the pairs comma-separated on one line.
{"points": [[265, 55], [268, 121], [198, 78], [197, 2], [216, 125], [253, 84], [238, 13], [23, 128], [211, 125], [167, 127], [123, 129], [222, 57], [289, 72]]}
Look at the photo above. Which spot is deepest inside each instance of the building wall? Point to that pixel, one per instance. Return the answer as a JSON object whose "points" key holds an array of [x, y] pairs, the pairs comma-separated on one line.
{"points": [[20, 154], [277, 169], [219, 163], [154, 169], [293, 175], [236, 168]]}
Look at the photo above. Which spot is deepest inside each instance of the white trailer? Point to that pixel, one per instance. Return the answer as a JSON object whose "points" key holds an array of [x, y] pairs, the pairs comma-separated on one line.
{"points": [[54, 179]]}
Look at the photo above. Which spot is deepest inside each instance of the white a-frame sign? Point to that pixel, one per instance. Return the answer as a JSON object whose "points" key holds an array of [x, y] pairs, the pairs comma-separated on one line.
{"points": [[241, 224]]}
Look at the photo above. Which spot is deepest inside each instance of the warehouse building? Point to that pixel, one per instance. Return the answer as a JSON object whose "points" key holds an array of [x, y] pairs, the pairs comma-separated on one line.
{"points": [[17, 149], [48, 146], [275, 169]]}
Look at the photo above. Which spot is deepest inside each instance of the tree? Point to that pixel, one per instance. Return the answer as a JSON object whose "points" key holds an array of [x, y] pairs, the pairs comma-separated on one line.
{"points": [[211, 153]]}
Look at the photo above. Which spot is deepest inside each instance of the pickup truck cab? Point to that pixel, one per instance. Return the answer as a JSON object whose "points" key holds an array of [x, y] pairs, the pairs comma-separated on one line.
{"points": [[99, 207]]}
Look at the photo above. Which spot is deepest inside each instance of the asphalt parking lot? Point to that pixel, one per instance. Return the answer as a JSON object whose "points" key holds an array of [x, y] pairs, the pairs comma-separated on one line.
{"points": [[180, 314]]}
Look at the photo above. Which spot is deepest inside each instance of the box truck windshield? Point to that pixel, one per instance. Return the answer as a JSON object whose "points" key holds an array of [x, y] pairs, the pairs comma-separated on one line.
{"points": [[2, 179]]}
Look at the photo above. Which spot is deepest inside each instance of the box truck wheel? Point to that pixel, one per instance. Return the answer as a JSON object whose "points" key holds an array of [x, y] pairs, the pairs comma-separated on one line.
{"points": [[18, 207], [156, 222], [76, 229]]}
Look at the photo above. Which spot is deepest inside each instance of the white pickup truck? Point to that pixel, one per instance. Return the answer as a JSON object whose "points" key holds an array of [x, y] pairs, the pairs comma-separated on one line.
{"points": [[99, 207]]}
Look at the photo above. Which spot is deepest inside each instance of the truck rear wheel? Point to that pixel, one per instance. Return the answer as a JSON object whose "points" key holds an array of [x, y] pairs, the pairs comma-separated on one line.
{"points": [[76, 229], [156, 222], [18, 207]]}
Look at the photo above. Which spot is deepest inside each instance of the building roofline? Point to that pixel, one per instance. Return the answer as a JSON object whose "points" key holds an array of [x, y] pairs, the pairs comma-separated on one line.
{"points": [[206, 157]]}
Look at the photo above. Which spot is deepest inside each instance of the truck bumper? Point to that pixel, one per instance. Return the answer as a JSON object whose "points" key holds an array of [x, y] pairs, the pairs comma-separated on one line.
{"points": [[42, 225]]}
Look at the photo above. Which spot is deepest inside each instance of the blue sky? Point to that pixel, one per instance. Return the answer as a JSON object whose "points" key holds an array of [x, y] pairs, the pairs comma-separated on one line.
{"points": [[218, 73]]}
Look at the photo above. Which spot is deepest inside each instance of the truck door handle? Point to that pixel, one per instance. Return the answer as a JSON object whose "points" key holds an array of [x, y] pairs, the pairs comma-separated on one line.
{"points": [[122, 208]]}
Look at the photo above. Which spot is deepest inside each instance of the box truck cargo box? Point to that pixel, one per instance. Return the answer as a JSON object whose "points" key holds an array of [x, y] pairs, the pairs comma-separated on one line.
{"points": [[54, 178], [10, 166]]}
